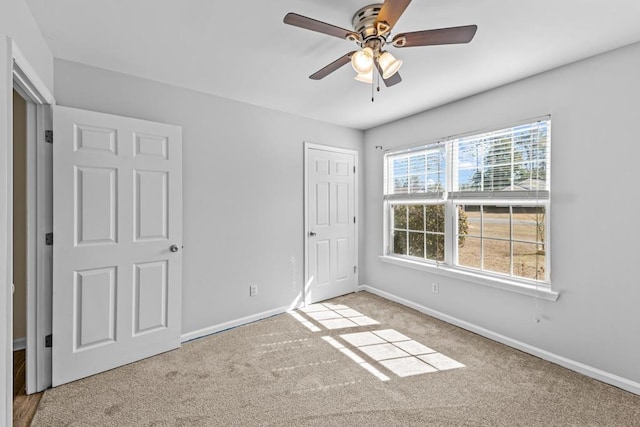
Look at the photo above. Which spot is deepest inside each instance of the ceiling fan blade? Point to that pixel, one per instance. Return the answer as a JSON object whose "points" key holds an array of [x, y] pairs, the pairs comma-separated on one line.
{"points": [[453, 35], [391, 11], [315, 25], [324, 72], [393, 80]]}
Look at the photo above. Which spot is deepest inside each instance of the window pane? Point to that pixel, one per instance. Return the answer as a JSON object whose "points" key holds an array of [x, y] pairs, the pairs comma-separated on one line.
{"points": [[400, 167], [529, 223], [528, 261], [400, 216], [435, 182], [416, 217], [419, 172], [435, 162], [538, 175], [435, 171], [400, 185], [530, 176], [416, 244], [496, 256], [435, 218], [399, 242], [469, 252], [473, 219], [505, 159], [417, 164], [399, 173], [496, 222], [497, 178], [469, 179], [417, 184], [469, 163], [435, 247]]}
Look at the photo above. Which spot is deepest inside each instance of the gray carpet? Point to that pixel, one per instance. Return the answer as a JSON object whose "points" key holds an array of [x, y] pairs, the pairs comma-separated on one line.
{"points": [[277, 372]]}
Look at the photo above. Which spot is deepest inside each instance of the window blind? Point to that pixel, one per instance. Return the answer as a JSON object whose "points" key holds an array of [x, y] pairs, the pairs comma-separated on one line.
{"points": [[416, 174], [510, 163]]}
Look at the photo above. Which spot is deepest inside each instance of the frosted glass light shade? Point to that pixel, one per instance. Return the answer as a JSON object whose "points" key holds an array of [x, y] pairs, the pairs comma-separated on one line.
{"points": [[389, 65], [362, 60], [365, 77]]}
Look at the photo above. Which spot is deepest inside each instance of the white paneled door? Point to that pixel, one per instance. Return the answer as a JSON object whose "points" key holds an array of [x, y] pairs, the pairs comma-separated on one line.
{"points": [[331, 223], [117, 253]]}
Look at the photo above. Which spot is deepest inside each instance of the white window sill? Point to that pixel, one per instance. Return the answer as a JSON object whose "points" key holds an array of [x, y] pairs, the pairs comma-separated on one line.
{"points": [[543, 292]]}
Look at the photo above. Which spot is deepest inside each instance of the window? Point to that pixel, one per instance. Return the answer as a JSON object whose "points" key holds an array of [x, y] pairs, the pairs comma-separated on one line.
{"points": [[476, 202]]}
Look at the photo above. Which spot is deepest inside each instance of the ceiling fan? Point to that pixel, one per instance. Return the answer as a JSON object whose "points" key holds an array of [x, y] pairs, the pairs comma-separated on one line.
{"points": [[372, 26]]}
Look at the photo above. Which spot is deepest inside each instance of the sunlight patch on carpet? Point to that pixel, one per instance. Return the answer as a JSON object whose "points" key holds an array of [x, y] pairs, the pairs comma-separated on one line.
{"points": [[357, 359], [399, 353], [334, 316], [305, 322], [388, 348]]}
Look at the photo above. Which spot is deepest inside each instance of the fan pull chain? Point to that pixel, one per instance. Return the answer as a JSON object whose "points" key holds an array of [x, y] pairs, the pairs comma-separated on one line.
{"points": [[375, 81], [372, 92]]}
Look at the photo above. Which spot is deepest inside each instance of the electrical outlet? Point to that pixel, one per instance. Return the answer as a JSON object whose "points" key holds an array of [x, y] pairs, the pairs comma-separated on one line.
{"points": [[253, 290], [435, 288]]}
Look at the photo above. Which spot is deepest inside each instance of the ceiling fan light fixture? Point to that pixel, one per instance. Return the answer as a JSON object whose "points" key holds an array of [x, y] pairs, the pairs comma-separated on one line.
{"points": [[389, 64], [365, 77], [362, 60]]}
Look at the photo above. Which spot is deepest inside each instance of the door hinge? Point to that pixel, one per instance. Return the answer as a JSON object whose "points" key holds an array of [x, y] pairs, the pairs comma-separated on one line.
{"points": [[355, 268], [354, 169], [48, 136], [48, 239], [48, 341], [354, 219]]}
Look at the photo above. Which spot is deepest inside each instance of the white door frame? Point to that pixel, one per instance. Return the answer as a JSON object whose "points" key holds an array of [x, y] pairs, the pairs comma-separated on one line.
{"points": [[311, 146], [28, 84]]}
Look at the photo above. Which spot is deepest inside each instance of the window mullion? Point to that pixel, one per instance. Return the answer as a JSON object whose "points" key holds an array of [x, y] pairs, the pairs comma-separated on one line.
{"points": [[388, 228], [424, 228], [450, 170], [513, 158], [481, 237], [449, 232], [407, 232], [511, 239]]}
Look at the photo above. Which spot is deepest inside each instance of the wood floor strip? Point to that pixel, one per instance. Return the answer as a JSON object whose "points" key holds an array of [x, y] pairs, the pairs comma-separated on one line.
{"points": [[24, 406]]}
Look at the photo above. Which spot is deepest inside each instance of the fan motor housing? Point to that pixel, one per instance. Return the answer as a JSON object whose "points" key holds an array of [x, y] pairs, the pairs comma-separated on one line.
{"points": [[364, 20]]}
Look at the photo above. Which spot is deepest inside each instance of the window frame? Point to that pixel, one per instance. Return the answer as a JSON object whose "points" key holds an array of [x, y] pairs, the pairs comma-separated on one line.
{"points": [[425, 231], [452, 199]]}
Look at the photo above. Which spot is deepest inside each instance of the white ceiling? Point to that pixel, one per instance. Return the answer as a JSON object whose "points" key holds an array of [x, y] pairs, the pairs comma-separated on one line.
{"points": [[243, 51]]}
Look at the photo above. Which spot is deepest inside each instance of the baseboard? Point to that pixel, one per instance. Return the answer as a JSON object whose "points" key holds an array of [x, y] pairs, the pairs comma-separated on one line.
{"points": [[581, 368], [20, 344], [189, 336]]}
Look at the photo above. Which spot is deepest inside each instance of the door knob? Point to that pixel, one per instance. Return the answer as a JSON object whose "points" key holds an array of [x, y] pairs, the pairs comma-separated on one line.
{"points": [[174, 248], [312, 233]]}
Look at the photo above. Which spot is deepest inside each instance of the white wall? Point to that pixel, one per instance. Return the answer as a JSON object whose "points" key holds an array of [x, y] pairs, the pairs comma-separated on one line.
{"points": [[16, 23], [243, 187], [595, 112]]}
